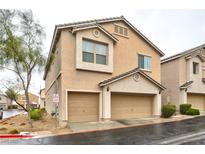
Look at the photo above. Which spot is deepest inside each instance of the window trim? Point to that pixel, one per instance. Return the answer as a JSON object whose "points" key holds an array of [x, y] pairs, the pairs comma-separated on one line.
{"points": [[144, 69], [95, 52]]}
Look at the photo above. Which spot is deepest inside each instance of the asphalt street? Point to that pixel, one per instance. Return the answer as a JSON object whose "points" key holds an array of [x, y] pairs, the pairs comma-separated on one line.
{"points": [[190, 131]]}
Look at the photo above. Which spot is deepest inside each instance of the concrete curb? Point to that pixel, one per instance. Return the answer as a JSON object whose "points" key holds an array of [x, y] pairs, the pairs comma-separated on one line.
{"points": [[115, 128]]}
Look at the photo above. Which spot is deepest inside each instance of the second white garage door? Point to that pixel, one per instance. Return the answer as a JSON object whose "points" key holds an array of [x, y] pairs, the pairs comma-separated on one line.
{"points": [[83, 107], [125, 106]]}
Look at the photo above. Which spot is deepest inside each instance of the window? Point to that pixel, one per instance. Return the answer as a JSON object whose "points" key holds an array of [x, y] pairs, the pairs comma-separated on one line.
{"points": [[88, 51], [195, 68], [144, 62], [121, 30], [94, 52], [0, 98]]}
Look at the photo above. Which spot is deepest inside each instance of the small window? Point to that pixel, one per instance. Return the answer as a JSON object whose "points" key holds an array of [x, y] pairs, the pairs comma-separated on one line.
{"points": [[195, 68], [144, 62], [0, 98]]}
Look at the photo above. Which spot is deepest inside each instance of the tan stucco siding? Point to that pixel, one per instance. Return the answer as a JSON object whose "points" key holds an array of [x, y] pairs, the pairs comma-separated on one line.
{"points": [[125, 58], [203, 70], [55, 67], [170, 79], [183, 71], [198, 86], [126, 52]]}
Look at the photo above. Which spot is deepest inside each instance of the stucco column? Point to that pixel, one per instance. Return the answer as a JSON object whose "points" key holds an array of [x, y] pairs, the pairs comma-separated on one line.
{"points": [[106, 103], [157, 105], [183, 97]]}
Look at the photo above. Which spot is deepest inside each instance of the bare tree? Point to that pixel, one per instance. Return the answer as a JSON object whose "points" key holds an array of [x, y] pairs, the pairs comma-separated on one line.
{"points": [[21, 46]]}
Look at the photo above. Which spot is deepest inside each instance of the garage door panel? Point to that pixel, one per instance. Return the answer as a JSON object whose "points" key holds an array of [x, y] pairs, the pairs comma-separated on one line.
{"points": [[83, 107], [131, 106], [197, 101]]}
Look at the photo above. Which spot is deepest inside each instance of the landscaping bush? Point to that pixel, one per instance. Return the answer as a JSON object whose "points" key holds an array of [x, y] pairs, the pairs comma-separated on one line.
{"points": [[168, 110], [184, 108], [14, 131], [9, 107], [12, 106], [35, 114], [15, 106], [193, 112]]}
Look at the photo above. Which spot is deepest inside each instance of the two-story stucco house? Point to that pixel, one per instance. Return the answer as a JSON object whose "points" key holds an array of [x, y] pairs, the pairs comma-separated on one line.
{"points": [[33, 99], [102, 69], [184, 77]]}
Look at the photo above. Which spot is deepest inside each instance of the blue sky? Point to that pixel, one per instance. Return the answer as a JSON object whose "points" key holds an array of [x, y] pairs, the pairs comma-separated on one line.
{"points": [[172, 30]]}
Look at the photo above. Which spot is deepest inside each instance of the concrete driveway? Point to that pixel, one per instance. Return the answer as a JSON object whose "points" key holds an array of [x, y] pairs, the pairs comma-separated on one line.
{"points": [[165, 133]]}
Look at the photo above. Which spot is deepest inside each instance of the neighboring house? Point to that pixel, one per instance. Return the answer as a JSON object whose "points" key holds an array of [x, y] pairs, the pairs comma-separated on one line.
{"points": [[4, 102], [34, 99], [184, 77], [42, 103], [102, 69]]}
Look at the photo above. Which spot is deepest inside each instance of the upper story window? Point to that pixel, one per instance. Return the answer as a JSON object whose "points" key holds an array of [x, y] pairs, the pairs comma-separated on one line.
{"points": [[195, 68], [144, 62], [94, 52], [121, 30]]}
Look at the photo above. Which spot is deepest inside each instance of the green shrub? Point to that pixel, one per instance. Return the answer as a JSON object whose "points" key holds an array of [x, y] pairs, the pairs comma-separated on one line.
{"points": [[35, 114], [168, 110], [184, 108], [12, 106], [15, 106], [193, 112], [14, 131], [9, 107]]}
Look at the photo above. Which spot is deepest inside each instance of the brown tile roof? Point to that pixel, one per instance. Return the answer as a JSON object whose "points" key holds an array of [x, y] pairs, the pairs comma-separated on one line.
{"points": [[97, 26], [185, 85], [126, 74], [187, 52]]}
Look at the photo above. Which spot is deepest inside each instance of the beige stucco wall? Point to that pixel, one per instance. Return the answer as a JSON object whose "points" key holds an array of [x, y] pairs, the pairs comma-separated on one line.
{"points": [[125, 58], [170, 79], [198, 86], [127, 49], [177, 72], [130, 86]]}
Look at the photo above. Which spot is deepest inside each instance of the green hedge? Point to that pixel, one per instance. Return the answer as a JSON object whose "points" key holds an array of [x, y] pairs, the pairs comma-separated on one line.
{"points": [[168, 110], [12, 106], [193, 112], [184, 108]]}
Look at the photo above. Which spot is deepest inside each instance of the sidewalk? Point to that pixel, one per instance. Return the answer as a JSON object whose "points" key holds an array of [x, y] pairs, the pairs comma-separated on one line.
{"points": [[108, 125]]}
